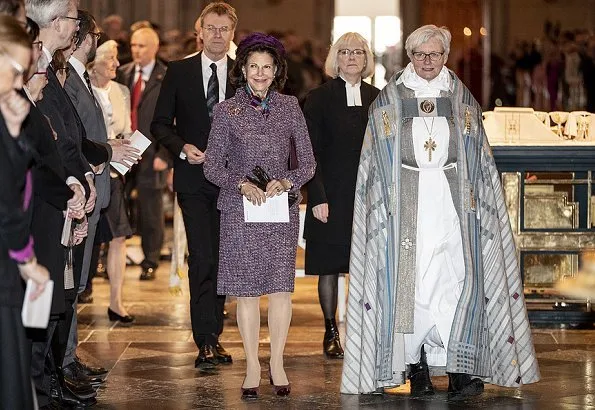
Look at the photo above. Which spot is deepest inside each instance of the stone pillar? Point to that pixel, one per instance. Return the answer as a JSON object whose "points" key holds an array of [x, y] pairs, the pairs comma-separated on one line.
{"points": [[410, 20]]}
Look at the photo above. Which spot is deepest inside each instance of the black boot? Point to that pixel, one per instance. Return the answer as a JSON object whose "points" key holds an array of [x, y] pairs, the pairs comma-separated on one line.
{"points": [[331, 344], [461, 386], [419, 374]]}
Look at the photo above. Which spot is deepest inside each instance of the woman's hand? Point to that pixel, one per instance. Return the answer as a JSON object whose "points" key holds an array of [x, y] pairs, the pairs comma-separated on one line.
{"points": [[277, 187], [80, 231], [321, 212], [253, 193], [38, 273]]}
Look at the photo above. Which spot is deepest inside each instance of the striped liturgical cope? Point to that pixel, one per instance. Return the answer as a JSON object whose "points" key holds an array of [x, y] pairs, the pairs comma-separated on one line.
{"points": [[212, 90]]}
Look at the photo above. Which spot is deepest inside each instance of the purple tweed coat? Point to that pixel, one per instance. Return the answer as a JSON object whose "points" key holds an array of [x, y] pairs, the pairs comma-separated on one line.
{"points": [[256, 258]]}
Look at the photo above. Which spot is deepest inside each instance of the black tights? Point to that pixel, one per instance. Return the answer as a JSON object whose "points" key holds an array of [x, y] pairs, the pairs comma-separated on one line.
{"points": [[327, 294]]}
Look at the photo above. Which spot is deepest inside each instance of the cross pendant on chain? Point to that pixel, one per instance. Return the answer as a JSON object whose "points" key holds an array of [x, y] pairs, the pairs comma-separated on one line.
{"points": [[430, 145]]}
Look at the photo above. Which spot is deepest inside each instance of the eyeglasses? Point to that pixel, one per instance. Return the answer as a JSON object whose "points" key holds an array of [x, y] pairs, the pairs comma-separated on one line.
{"points": [[43, 73], [96, 34], [434, 56], [37, 45], [18, 69], [77, 19], [345, 52], [221, 30]]}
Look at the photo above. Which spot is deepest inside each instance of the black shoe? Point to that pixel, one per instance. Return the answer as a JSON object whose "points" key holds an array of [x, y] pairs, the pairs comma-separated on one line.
{"points": [[148, 274], [90, 370], [331, 344], [113, 316], [73, 372], [461, 386], [250, 393], [206, 358], [85, 297], [222, 355], [61, 398], [81, 390], [419, 375]]}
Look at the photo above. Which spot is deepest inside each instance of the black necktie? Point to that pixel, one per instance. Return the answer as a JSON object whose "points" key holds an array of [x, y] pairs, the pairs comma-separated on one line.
{"points": [[88, 81], [212, 90]]}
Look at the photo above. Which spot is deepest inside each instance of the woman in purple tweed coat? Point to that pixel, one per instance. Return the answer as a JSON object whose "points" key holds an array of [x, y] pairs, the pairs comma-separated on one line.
{"points": [[256, 128]]}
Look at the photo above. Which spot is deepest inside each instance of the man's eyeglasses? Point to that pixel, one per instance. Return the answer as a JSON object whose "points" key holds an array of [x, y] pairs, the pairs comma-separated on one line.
{"points": [[221, 30], [43, 73], [434, 56], [345, 52], [37, 45], [96, 34], [18, 69], [76, 19]]}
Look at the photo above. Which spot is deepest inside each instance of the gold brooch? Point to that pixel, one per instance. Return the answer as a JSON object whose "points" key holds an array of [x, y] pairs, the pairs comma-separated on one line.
{"points": [[467, 120], [386, 123], [427, 106]]}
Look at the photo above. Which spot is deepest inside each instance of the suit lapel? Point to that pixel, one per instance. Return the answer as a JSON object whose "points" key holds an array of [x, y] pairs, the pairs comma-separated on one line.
{"points": [[197, 71], [128, 75], [154, 80]]}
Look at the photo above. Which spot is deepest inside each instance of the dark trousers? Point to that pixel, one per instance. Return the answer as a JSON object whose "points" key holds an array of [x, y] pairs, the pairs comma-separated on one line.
{"points": [[151, 224], [15, 362], [201, 219], [42, 360]]}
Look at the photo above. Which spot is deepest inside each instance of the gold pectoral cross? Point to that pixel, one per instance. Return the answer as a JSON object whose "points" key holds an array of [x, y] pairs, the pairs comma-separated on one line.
{"points": [[430, 146]]}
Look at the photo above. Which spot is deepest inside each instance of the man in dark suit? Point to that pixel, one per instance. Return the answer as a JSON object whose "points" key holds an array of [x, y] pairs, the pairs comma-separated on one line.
{"points": [[182, 123], [78, 88], [144, 76]]}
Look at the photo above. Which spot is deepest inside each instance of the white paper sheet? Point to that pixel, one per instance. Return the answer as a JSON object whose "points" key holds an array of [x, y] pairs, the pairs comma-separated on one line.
{"points": [[138, 141], [275, 209], [36, 313]]}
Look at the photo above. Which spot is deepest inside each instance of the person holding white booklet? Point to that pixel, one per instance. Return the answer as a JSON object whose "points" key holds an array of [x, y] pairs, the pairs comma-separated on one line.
{"points": [[114, 99], [253, 136]]}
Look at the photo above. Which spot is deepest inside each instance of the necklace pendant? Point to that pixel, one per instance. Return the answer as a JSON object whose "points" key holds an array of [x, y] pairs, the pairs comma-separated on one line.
{"points": [[430, 145]]}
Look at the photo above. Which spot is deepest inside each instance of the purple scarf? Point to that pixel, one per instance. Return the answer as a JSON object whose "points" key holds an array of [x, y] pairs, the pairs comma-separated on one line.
{"points": [[261, 104]]}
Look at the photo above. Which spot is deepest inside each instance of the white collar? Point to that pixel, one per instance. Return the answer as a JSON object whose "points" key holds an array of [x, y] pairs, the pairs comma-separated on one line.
{"points": [[353, 92], [147, 70], [79, 67], [442, 82], [206, 61], [47, 53]]}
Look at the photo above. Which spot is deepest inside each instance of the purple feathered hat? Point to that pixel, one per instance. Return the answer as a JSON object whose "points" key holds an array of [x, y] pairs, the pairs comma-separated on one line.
{"points": [[260, 39]]}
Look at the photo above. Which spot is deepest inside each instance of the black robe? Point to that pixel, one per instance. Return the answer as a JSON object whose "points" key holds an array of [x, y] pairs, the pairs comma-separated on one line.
{"points": [[337, 132]]}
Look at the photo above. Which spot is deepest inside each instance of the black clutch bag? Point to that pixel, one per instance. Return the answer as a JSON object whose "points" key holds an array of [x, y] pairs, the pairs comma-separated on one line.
{"points": [[261, 179]]}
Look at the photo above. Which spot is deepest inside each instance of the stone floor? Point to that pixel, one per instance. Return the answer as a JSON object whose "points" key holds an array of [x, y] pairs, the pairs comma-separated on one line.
{"points": [[152, 363]]}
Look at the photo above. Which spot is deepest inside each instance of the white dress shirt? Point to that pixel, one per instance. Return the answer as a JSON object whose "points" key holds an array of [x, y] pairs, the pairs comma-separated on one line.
{"points": [[221, 74]]}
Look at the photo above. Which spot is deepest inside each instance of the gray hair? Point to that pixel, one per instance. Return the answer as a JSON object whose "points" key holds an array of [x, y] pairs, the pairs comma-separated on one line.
{"points": [[43, 12], [331, 66], [106, 48], [425, 33], [102, 51]]}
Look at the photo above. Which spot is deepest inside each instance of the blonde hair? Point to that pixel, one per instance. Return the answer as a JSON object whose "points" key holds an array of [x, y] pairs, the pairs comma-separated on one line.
{"points": [[331, 65], [425, 33], [220, 8]]}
